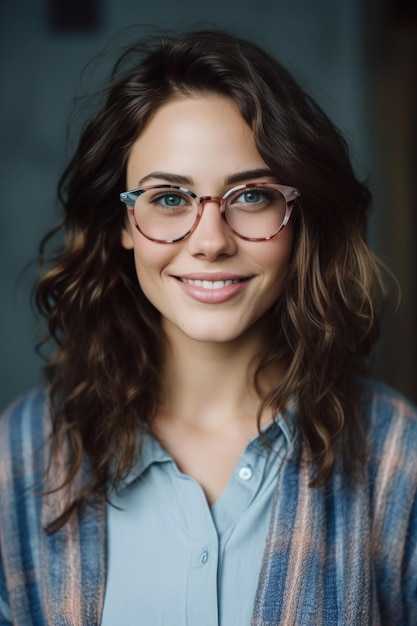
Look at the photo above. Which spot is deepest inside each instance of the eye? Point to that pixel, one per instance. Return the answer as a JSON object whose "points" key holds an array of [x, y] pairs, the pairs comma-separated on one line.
{"points": [[170, 200], [165, 202], [252, 196]]}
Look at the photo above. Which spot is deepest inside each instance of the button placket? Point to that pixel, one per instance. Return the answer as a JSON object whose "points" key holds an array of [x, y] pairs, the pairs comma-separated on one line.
{"points": [[202, 592]]}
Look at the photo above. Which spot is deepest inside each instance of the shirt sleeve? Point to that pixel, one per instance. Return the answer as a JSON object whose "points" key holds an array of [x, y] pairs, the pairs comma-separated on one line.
{"points": [[410, 570], [5, 613], [393, 463]]}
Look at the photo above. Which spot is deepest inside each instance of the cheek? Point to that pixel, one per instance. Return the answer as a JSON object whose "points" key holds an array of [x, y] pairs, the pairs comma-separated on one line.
{"points": [[150, 260], [277, 253]]}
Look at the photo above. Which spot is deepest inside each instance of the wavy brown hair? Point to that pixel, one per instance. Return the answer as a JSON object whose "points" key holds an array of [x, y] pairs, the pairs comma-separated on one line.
{"points": [[104, 375]]}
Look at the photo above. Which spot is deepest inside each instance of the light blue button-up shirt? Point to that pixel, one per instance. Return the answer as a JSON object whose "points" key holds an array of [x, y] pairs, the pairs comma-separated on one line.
{"points": [[175, 561]]}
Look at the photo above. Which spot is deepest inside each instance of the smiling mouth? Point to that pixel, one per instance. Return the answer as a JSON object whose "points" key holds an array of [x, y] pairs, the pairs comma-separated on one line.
{"points": [[211, 284]]}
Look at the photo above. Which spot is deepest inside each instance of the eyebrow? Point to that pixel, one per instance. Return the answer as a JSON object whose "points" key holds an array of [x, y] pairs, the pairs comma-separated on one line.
{"points": [[240, 177], [177, 179]]}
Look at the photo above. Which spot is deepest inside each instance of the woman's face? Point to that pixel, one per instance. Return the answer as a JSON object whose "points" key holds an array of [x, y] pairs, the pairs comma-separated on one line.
{"points": [[204, 142]]}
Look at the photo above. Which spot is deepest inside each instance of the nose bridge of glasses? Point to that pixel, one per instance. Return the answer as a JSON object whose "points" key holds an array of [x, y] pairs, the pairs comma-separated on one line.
{"points": [[202, 200]]}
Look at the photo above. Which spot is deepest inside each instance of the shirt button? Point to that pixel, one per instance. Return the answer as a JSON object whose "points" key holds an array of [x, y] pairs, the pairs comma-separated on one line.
{"points": [[204, 557], [245, 473]]}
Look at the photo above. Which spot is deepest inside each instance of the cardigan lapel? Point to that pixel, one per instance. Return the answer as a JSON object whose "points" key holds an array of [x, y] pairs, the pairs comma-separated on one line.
{"points": [[74, 562], [316, 568]]}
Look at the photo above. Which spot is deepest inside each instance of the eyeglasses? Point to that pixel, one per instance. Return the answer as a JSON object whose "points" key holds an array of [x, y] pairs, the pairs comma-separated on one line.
{"points": [[168, 213]]}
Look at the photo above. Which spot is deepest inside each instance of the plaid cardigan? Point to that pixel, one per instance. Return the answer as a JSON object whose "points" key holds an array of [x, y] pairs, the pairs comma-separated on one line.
{"points": [[340, 556]]}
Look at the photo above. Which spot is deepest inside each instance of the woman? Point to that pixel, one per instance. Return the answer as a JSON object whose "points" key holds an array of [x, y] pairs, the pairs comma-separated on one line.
{"points": [[206, 452]]}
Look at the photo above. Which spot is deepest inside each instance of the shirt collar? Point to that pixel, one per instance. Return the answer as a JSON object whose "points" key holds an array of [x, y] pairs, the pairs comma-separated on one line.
{"points": [[151, 450], [284, 423]]}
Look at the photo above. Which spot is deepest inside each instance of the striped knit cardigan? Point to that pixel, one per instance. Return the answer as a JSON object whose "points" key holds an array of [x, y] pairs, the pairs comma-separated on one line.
{"points": [[341, 556]]}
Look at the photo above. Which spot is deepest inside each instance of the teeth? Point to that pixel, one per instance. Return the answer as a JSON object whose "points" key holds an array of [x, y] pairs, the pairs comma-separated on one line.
{"points": [[210, 284]]}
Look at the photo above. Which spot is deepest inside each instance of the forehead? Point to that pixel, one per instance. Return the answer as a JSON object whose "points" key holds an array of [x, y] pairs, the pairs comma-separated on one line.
{"points": [[202, 137]]}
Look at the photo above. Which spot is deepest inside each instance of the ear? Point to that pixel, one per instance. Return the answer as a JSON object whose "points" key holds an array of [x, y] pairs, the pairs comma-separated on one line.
{"points": [[126, 236]]}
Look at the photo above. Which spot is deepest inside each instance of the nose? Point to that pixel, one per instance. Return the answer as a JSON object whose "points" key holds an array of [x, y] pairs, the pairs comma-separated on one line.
{"points": [[212, 237]]}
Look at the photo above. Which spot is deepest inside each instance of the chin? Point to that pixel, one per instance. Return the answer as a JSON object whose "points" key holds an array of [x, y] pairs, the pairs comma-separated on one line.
{"points": [[216, 339], [216, 336], [217, 333]]}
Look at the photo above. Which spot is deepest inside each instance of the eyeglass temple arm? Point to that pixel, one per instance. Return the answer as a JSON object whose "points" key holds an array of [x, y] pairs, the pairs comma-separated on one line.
{"points": [[129, 197]]}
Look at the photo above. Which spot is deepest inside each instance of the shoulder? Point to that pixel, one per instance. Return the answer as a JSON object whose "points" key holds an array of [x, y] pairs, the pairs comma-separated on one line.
{"points": [[387, 413], [24, 429], [391, 427], [391, 422], [29, 412]]}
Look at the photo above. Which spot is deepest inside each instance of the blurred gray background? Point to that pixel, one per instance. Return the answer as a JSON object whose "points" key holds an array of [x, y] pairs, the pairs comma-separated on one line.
{"points": [[358, 59]]}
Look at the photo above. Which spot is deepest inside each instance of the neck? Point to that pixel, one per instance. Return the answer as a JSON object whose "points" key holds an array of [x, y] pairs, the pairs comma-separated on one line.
{"points": [[209, 384]]}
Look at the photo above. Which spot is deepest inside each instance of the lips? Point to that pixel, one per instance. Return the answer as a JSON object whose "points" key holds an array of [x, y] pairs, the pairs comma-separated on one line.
{"points": [[211, 284], [213, 288]]}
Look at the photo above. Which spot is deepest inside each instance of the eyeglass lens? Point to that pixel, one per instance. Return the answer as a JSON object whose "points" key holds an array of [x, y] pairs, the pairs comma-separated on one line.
{"points": [[167, 214]]}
